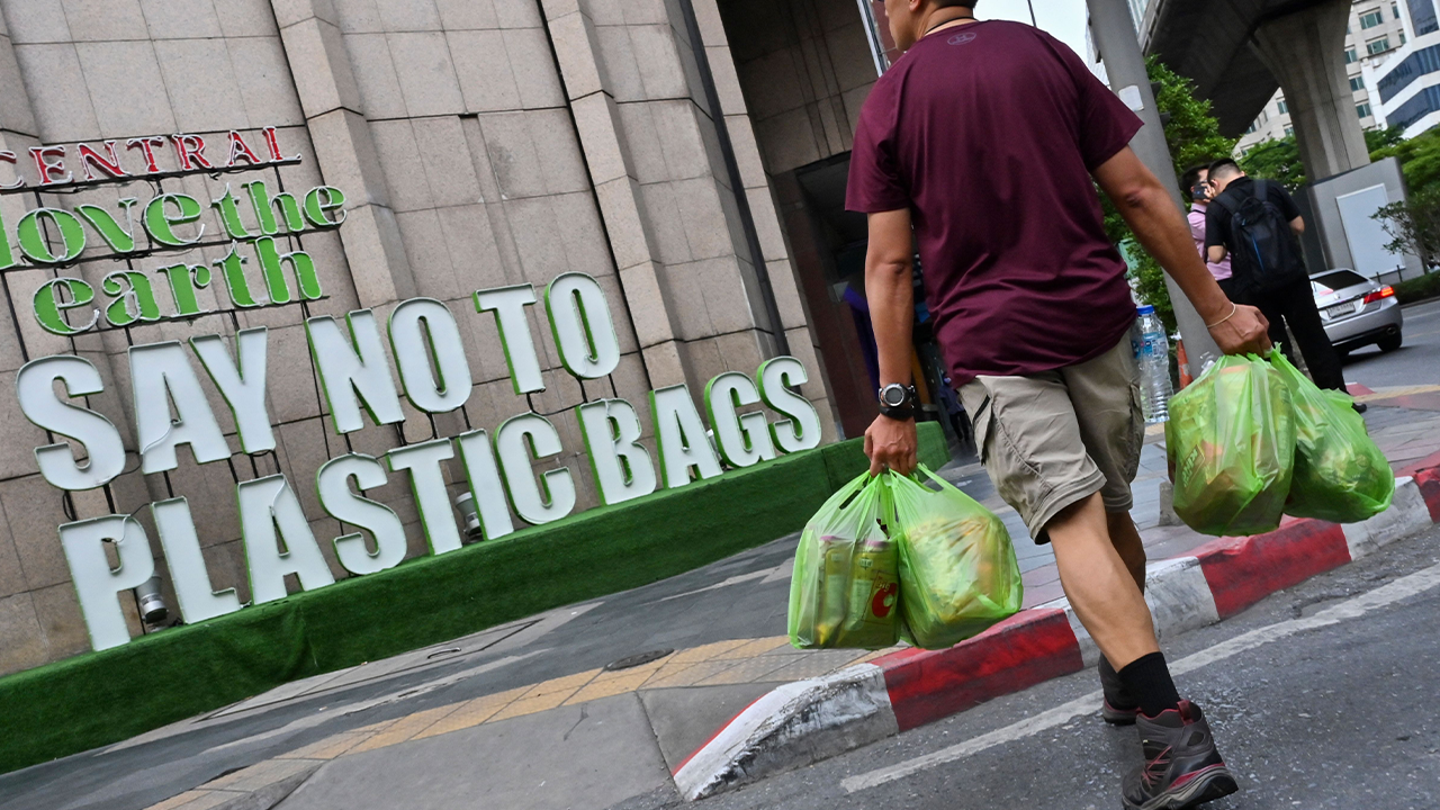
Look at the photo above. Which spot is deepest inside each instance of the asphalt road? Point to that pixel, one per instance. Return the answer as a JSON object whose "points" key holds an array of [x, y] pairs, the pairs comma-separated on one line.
{"points": [[1417, 362], [1333, 716]]}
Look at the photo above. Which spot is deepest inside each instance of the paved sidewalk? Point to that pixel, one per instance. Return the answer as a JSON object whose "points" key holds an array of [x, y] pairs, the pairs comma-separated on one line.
{"points": [[590, 736]]}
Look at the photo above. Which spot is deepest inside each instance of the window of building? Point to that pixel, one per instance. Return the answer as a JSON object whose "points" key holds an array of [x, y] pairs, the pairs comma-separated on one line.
{"points": [[1370, 19], [1284, 108], [1422, 16], [1421, 105], [1402, 37], [1254, 125], [1375, 46], [1351, 56], [1363, 109], [1395, 9], [1357, 83], [1422, 62], [1289, 130]]}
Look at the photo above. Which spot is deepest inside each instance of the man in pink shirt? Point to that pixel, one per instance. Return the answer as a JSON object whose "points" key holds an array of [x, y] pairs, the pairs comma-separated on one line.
{"points": [[1196, 185]]}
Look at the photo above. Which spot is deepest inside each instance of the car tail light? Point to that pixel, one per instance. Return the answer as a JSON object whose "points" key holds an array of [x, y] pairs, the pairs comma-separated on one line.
{"points": [[1383, 292]]}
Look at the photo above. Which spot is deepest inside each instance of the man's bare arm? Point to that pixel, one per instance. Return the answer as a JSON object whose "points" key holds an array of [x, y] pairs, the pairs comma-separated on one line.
{"points": [[1215, 253], [1161, 229], [1298, 225], [888, 287]]}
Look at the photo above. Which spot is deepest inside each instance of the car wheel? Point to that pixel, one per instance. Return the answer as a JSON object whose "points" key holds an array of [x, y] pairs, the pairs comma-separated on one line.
{"points": [[1390, 343]]}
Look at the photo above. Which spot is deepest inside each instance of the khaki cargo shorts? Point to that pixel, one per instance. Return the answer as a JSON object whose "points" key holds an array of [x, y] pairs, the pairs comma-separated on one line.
{"points": [[1052, 439]]}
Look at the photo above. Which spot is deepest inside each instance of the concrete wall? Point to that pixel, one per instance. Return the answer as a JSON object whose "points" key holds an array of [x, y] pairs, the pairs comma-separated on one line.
{"points": [[481, 143], [806, 69], [1323, 197]]}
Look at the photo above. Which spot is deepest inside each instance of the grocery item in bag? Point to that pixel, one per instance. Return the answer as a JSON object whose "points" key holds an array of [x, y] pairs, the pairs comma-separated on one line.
{"points": [[1340, 474], [1231, 446], [845, 588], [958, 574]]}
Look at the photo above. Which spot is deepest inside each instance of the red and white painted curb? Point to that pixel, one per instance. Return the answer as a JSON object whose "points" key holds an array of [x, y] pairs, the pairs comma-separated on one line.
{"points": [[807, 721]]}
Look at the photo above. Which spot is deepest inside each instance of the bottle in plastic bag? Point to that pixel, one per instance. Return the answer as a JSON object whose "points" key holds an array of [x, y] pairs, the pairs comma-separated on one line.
{"points": [[1152, 353], [845, 588]]}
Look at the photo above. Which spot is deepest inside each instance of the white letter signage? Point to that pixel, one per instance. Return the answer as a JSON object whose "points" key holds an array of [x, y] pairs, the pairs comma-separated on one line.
{"points": [[34, 387], [427, 481], [801, 431], [96, 583], [581, 322], [623, 469], [742, 440], [354, 375], [332, 484], [430, 355], [521, 440], [270, 515], [160, 373], [681, 437], [197, 597]]}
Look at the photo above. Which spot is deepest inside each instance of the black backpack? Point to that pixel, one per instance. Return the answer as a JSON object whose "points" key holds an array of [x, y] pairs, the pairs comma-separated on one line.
{"points": [[1265, 255]]}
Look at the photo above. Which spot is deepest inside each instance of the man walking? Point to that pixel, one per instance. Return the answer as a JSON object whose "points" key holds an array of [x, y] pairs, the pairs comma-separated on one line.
{"points": [[980, 143], [1196, 185], [1255, 225]]}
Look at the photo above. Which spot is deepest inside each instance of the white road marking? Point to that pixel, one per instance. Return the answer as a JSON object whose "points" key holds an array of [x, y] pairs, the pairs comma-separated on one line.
{"points": [[767, 575], [1381, 597]]}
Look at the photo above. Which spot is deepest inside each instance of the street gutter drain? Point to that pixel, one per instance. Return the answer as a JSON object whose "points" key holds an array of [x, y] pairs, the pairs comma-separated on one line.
{"points": [[636, 660]]}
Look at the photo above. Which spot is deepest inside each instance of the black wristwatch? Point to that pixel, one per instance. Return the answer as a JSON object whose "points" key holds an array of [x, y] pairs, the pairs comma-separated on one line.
{"points": [[898, 401]]}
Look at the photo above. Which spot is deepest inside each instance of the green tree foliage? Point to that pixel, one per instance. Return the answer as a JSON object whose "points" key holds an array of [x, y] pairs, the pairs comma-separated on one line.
{"points": [[1193, 135], [1279, 158], [1413, 225], [1419, 159]]}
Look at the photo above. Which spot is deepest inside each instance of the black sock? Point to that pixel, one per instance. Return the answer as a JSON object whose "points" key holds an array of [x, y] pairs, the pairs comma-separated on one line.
{"points": [[1148, 679]]}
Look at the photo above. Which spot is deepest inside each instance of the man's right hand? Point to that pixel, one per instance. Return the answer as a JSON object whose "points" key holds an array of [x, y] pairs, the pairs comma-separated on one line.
{"points": [[1245, 332], [892, 444]]}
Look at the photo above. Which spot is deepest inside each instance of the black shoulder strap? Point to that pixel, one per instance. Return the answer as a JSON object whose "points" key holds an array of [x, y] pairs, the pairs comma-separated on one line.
{"points": [[1262, 190], [1228, 203]]}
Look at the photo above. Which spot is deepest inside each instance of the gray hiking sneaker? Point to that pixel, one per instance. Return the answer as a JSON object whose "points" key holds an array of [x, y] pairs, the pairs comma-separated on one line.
{"points": [[1118, 708], [1182, 769]]}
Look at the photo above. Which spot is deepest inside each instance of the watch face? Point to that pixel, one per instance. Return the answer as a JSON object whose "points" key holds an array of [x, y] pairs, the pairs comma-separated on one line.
{"points": [[893, 396]]}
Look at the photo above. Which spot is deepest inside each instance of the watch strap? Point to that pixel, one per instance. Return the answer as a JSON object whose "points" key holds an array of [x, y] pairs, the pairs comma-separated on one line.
{"points": [[903, 414]]}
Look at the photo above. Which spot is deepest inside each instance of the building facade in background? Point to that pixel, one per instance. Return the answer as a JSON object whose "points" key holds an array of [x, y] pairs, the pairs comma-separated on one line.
{"points": [[1378, 35], [1408, 85], [421, 249]]}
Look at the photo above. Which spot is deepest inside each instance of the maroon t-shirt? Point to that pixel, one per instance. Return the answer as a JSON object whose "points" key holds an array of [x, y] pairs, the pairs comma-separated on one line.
{"points": [[988, 132]]}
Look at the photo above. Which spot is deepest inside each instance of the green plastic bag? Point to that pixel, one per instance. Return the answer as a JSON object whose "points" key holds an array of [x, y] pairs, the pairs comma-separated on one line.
{"points": [[1231, 447], [958, 574], [846, 585], [1340, 474]]}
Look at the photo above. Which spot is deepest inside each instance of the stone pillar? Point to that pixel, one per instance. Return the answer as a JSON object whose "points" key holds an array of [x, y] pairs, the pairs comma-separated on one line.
{"points": [[1306, 52], [1114, 30]]}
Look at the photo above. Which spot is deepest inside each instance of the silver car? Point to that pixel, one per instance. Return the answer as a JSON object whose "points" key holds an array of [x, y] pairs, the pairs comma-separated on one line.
{"points": [[1357, 311]]}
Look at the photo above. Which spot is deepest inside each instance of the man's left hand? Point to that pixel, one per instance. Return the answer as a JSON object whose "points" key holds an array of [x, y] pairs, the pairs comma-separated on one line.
{"points": [[892, 444], [1245, 332]]}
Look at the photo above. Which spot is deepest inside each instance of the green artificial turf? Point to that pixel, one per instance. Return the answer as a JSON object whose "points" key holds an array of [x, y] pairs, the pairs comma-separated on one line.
{"points": [[103, 697]]}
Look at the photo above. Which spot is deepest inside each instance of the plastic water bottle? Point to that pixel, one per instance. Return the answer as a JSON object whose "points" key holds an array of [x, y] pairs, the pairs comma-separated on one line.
{"points": [[1152, 351]]}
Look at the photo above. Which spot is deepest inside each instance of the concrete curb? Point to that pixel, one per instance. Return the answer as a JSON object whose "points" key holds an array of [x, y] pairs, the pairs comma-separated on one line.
{"points": [[803, 722]]}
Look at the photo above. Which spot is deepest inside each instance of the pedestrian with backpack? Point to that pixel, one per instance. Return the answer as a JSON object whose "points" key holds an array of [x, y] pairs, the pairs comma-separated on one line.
{"points": [[1255, 223]]}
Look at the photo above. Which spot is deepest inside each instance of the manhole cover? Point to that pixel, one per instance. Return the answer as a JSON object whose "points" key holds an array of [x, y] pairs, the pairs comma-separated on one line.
{"points": [[636, 660]]}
